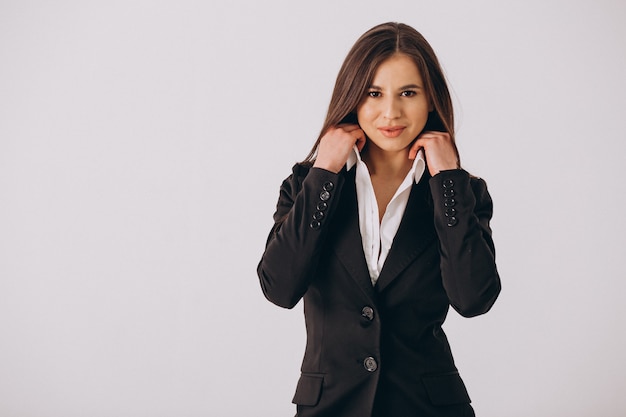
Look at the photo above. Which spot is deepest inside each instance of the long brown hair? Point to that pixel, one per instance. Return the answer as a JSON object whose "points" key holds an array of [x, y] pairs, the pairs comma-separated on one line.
{"points": [[358, 69]]}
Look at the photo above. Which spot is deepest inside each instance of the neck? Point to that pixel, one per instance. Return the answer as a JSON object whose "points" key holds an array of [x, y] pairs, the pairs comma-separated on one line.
{"points": [[386, 165]]}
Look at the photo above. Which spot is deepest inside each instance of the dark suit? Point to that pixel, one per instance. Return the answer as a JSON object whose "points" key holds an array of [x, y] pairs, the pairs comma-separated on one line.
{"points": [[380, 350]]}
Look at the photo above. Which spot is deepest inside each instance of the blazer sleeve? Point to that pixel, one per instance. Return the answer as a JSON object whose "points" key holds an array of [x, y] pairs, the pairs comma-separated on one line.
{"points": [[306, 202], [463, 209]]}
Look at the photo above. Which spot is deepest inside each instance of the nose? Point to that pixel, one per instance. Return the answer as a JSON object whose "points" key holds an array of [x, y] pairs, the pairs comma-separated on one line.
{"points": [[392, 109]]}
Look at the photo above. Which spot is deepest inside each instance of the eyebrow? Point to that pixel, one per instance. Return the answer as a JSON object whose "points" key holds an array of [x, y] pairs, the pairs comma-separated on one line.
{"points": [[404, 87]]}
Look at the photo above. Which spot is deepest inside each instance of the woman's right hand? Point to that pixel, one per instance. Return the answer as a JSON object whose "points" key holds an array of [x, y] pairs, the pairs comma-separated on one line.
{"points": [[336, 145]]}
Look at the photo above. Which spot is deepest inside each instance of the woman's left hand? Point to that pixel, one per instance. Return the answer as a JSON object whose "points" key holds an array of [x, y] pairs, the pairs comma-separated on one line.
{"points": [[438, 151]]}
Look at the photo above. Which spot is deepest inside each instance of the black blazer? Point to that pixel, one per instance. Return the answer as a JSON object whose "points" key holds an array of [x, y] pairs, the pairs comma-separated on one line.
{"points": [[380, 350]]}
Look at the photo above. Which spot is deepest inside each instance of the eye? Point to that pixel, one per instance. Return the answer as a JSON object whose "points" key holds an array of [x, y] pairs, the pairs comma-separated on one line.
{"points": [[408, 93], [373, 94]]}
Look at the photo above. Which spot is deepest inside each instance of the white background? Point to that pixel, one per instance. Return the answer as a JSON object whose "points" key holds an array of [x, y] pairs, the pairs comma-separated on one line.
{"points": [[142, 144]]}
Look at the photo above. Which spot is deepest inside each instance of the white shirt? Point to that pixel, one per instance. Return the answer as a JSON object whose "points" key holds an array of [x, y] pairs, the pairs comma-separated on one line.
{"points": [[378, 237]]}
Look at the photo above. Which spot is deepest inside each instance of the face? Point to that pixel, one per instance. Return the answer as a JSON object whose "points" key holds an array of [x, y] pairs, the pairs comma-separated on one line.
{"points": [[396, 107]]}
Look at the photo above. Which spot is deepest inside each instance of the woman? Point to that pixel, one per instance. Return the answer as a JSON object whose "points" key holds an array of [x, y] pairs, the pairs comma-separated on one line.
{"points": [[380, 231]]}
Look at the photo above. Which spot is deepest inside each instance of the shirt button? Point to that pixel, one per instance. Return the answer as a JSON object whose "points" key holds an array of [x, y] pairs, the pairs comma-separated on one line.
{"points": [[368, 313], [324, 195], [328, 186], [370, 364]]}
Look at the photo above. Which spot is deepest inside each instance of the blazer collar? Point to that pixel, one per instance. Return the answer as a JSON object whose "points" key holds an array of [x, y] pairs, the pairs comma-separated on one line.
{"points": [[347, 237], [415, 234]]}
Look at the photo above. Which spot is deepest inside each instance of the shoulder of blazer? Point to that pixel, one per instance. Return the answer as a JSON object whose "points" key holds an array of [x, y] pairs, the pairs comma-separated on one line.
{"points": [[479, 188]]}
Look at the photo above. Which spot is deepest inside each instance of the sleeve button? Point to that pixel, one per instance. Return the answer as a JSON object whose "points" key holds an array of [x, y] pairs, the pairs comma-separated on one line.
{"points": [[328, 186], [449, 183], [315, 224], [448, 193], [449, 202], [452, 221], [318, 215], [322, 205], [450, 212], [324, 195]]}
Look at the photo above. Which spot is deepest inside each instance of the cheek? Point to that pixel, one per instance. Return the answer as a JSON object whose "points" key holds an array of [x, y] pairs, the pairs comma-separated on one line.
{"points": [[365, 114], [366, 120], [421, 111]]}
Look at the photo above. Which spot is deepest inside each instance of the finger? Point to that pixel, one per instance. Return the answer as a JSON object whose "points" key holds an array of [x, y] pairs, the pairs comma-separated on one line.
{"points": [[435, 133], [428, 136], [360, 142], [348, 127], [415, 149], [359, 137]]}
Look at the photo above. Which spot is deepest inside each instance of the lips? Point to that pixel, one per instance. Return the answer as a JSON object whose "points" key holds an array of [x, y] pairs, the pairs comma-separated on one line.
{"points": [[391, 131]]}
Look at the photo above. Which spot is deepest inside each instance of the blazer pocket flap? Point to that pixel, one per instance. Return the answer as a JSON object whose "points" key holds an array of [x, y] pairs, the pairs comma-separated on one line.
{"points": [[308, 390], [446, 389]]}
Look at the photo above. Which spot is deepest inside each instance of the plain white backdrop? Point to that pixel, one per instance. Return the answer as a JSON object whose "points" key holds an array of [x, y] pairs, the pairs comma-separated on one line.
{"points": [[142, 144]]}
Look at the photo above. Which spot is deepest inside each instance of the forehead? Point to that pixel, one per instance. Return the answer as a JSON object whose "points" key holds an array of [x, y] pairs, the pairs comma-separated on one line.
{"points": [[397, 69]]}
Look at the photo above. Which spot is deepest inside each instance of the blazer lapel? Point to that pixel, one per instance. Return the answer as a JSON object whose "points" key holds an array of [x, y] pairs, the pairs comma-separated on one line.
{"points": [[414, 235], [347, 236]]}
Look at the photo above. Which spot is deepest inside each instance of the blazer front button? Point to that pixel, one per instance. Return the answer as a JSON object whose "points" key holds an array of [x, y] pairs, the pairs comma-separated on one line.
{"points": [[370, 364], [368, 313]]}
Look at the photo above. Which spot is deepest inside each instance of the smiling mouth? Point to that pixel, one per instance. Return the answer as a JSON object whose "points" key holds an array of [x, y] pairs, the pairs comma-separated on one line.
{"points": [[391, 132]]}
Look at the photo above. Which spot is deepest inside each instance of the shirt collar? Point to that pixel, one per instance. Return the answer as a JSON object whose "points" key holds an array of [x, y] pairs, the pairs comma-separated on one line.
{"points": [[417, 169]]}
